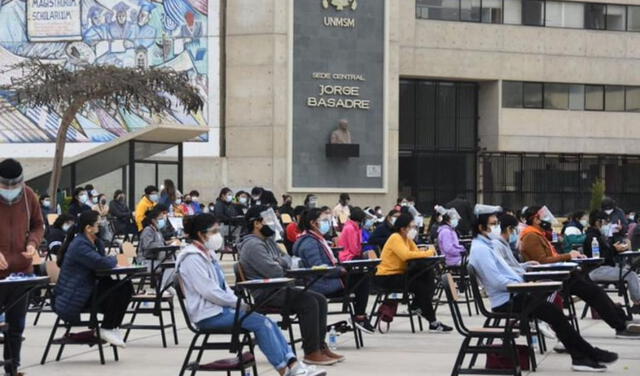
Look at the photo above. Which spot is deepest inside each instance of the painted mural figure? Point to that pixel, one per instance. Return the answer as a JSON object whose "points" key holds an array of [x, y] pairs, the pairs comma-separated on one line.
{"points": [[143, 34], [98, 29], [121, 29], [192, 29]]}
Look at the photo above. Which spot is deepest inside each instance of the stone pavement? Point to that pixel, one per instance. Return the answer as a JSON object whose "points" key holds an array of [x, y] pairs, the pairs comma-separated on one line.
{"points": [[397, 353]]}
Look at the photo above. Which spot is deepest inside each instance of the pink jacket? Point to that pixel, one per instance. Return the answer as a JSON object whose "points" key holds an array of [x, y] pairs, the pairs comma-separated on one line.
{"points": [[351, 240]]}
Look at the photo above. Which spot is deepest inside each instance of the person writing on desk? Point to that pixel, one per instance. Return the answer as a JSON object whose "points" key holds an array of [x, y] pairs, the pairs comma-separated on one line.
{"points": [[81, 255], [392, 271], [495, 275], [211, 303], [609, 271], [21, 231], [261, 258], [534, 246]]}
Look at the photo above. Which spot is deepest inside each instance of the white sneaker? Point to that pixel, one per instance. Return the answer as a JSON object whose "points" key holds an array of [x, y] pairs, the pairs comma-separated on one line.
{"points": [[113, 337], [559, 348], [304, 370], [546, 330]]}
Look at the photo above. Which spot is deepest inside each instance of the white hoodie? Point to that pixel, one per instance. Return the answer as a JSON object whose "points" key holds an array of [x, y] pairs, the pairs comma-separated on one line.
{"points": [[204, 296]]}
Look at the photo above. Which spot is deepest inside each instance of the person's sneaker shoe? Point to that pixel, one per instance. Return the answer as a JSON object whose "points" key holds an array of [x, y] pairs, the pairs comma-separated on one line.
{"points": [[633, 327], [303, 370], [365, 326], [604, 356], [587, 365], [113, 337], [559, 348], [438, 327], [546, 330], [627, 334]]}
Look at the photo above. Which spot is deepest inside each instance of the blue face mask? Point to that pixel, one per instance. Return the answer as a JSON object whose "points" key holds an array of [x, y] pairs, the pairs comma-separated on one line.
{"points": [[513, 238], [325, 226], [368, 223], [162, 222]]}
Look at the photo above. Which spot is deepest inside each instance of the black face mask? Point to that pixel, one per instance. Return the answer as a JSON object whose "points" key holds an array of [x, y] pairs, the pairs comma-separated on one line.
{"points": [[545, 225], [266, 231]]}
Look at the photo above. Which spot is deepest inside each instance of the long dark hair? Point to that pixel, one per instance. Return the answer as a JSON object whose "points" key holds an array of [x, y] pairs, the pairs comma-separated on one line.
{"points": [[88, 218], [403, 221], [76, 192], [170, 189], [150, 215], [307, 217], [62, 219], [196, 224]]}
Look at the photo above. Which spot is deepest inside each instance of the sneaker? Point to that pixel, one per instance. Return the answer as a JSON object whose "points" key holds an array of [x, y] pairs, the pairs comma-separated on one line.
{"points": [[438, 327], [635, 309], [303, 370], [365, 326], [627, 334], [113, 337], [633, 327], [587, 365], [604, 356], [559, 348], [546, 330]]}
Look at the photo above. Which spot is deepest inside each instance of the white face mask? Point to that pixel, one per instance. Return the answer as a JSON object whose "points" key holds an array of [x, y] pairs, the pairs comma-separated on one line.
{"points": [[46, 203], [242, 200], [584, 222], [495, 230], [66, 227], [413, 233], [83, 198], [228, 198], [194, 198], [214, 242], [153, 197], [178, 201], [95, 200], [454, 223], [609, 211]]}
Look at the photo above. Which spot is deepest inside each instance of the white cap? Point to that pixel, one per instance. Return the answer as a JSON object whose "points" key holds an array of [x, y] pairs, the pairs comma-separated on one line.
{"points": [[481, 209]]}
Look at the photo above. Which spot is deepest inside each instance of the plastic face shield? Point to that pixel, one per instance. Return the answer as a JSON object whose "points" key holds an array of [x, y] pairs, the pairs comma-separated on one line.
{"points": [[545, 215], [481, 209], [270, 219]]}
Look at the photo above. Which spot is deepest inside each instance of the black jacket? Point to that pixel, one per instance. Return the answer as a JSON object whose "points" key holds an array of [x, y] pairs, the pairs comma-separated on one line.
{"points": [[465, 210], [225, 210], [76, 208], [381, 234], [607, 251]]}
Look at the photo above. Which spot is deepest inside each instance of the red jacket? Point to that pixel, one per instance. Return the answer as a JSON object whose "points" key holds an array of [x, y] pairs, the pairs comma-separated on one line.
{"points": [[351, 240], [293, 231], [21, 224]]}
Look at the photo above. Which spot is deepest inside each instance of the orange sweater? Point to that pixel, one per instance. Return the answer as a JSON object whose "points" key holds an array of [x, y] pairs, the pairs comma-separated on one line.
{"points": [[535, 247], [395, 254]]}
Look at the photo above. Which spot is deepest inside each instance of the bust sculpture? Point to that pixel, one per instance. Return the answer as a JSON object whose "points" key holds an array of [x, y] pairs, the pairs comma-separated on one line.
{"points": [[341, 135]]}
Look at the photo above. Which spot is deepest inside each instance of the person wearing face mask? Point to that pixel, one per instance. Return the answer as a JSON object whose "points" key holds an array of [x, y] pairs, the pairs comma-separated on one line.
{"points": [[176, 206], [314, 250], [169, 193], [616, 218], [534, 246], [260, 257], [609, 271], [448, 241], [367, 228], [81, 255], [21, 231], [342, 210], [119, 210], [264, 197], [502, 243], [58, 232], [152, 237], [293, 230], [80, 202], [287, 205], [434, 223], [224, 208], [392, 271], [193, 202], [103, 209], [311, 201], [211, 302], [573, 231], [384, 230], [495, 275], [46, 209], [242, 202], [350, 238], [148, 201]]}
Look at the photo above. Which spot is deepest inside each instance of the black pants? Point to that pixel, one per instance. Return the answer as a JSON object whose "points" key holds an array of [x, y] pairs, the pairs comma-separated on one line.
{"points": [[595, 296], [311, 309], [15, 318], [114, 305], [361, 292], [577, 347], [422, 287]]}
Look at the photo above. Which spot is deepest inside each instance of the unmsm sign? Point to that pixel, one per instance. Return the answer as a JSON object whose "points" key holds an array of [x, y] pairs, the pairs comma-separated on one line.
{"points": [[53, 20]]}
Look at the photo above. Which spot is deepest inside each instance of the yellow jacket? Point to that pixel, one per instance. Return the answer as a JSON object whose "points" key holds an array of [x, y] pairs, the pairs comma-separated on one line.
{"points": [[395, 254], [141, 209]]}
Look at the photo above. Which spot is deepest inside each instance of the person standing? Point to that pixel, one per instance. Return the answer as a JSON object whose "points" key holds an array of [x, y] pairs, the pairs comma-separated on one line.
{"points": [[21, 231], [148, 201], [465, 209]]}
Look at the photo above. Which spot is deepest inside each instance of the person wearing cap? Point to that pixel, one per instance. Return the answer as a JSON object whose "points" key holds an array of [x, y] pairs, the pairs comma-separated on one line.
{"points": [[342, 209], [448, 241], [120, 28], [97, 31], [260, 257], [21, 231], [534, 246], [148, 201], [609, 271], [495, 275], [616, 218], [384, 230], [393, 271], [142, 33]]}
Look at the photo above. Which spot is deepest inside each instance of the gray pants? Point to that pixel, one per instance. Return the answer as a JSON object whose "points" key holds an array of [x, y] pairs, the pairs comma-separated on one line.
{"points": [[607, 273]]}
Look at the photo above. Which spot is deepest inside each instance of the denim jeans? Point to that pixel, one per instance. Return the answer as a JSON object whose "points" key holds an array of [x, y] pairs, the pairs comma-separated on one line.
{"points": [[268, 335]]}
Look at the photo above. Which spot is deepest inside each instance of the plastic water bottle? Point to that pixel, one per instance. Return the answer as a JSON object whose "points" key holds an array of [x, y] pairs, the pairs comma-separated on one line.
{"points": [[247, 372], [595, 248], [333, 339], [554, 237], [534, 340]]}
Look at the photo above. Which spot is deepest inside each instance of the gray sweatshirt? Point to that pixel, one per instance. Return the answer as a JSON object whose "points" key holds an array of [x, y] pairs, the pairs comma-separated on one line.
{"points": [[262, 258], [202, 285]]}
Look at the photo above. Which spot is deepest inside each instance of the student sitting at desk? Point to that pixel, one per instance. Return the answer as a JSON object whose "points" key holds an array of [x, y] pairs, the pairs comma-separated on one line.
{"points": [[495, 274], [211, 302], [392, 271], [79, 258]]}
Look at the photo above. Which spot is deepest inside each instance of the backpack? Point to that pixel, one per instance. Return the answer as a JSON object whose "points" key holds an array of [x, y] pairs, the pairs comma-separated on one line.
{"points": [[386, 313]]}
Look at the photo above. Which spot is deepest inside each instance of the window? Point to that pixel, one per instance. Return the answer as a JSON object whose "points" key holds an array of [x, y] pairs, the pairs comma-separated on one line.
{"points": [[576, 97], [492, 11], [563, 14], [556, 96], [533, 12], [513, 12], [512, 94], [633, 18], [532, 95], [470, 10], [616, 18], [614, 98], [448, 10], [632, 102], [594, 97], [594, 16]]}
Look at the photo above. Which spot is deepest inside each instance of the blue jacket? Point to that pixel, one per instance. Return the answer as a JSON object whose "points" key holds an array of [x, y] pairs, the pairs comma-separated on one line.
{"points": [[381, 234], [312, 253], [77, 278]]}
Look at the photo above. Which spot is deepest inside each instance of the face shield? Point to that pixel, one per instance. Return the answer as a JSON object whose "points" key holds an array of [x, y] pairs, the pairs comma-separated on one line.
{"points": [[545, 215], [270, 219]]}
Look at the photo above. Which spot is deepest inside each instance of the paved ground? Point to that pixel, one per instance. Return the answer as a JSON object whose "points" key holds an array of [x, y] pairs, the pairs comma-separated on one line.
{"points": [[397, 353]]}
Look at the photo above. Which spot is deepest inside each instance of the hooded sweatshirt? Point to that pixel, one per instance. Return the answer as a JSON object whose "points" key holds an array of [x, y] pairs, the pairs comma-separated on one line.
{"points": [[204, 286], [450, 245], [262, 258]]}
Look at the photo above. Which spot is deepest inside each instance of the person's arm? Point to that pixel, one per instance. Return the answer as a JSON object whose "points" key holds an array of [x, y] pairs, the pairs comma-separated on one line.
{"points": [[310, 252], [532, 249], [414, 248], [218, 210], [349, 240], [378, 236], [449, 244], [486, 265], [195, 274], [261, 260], [91, 259], [400, 249]]}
